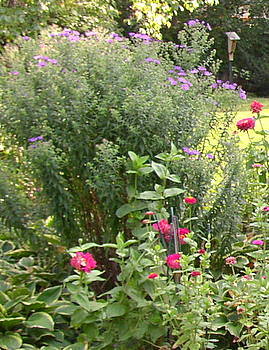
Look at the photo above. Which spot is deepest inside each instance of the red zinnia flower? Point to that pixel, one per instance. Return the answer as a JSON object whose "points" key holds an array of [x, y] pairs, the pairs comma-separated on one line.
{"points": [[150, 213], [173, 261], [256, 107], [83, 262], [190, 200], [246, 124], [153, 276], [202, 251]]}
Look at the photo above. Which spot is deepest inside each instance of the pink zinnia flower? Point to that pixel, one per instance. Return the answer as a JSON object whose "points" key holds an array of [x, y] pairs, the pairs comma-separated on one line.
{"points": [[202, 251], [153, 276], [247, 277], [190, 200], [264, 277], [256, 107], [231, 260], [83, 262], [265, 208], [182, 233], [150, 213], [163, 227], [246, 124], [173, 261], [195, 273], [258, 242]]}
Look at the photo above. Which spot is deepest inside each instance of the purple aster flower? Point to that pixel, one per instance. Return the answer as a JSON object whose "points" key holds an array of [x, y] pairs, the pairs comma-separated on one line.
{"points": [[206, 73], [90, 34], [183, 80], [26, 38], [33, 146], [210, 156], [185, 87], [42, 64], [110, 41], [183, 46], [214, 85], [192, 22], [186, 150], [14, 73], [149, 59], [52, 60], [194, 71], [219, 81], [194, 152], [177, 68], [202, 69], [38, 57], [242, 94], [172, 81], [73, 38], [182, 73], [171, 71], [34, 139], [157, 61], [52, 35]]}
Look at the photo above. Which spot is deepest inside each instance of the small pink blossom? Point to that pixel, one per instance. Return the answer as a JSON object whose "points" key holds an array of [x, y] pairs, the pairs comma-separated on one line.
{"points": [[202, 251], [264, 277], [190, 200], [153, 276], [265, 208], [257, 165], [231, 260], [83, 262], [173, 261], [247, 277], [149, 213], [164, 228], [195, 273], [258, 242]]}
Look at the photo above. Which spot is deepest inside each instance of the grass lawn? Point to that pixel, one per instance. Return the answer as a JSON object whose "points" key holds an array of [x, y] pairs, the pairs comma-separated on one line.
{"points": [[244, 112]]}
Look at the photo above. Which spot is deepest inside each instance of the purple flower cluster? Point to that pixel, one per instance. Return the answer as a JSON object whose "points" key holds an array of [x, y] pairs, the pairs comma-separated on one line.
{"points": [[195, 22], [194, 152], [114, 37], [91, 34], [144, 37], [177, 79], [43, 60], [229, 86], [149, 59], [71, 35], [34, 139], [26, 38]]}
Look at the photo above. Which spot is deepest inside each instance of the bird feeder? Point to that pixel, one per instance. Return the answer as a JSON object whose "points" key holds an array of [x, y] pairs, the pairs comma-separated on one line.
{"points": [[232, 40]]}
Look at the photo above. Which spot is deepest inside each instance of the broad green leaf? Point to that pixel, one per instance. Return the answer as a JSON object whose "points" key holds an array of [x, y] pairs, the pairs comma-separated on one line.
{"points": [[115, 310], [160, 170], [145, 170], [10, 342], [150, 195], [83, 247], [219, 322], [132, 156], [40, 320], [50, 295], [86, 304], [10, 322], [174, 178], [174, 191], [234, 328], [67, 309], [129, 208]]}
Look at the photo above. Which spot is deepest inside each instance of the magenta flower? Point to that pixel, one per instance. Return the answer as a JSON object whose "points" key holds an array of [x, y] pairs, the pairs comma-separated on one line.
{"points": [[153, 276], [190, 200], [265, 208], [258, 242], [202, 251], [256, 107], [83, 262], [247, 277], [246, 124], [173, 261], [164, 228], [257, 165]]}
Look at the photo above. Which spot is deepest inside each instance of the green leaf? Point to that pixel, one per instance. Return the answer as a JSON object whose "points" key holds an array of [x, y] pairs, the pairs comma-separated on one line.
{"points": [[174, 178], [76, 346], [10, 322], [115, 310], [174, 191], [129, 208], [50, 295], [219, 322], [40, 320], [85, 303], [234, 328], [160, 170], [83, 247], [150, 195], [10, 342], [132, 156], [66, 309]]}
